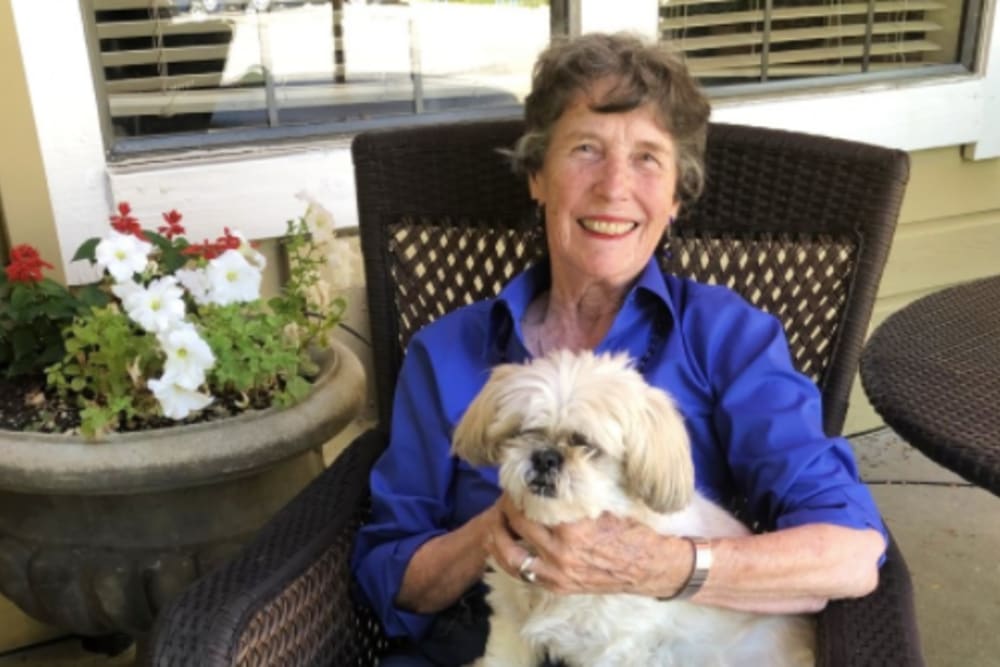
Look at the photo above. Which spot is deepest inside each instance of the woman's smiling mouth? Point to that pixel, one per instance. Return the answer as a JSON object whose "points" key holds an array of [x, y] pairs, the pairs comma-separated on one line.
{"points": [[608, 227]]}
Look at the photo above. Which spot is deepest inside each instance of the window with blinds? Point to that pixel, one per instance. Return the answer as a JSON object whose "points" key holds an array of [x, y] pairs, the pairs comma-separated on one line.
{"points": [[742, 41], [183, 66]]}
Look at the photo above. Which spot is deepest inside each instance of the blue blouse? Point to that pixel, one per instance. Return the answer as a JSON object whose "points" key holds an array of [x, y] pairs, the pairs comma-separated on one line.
{"points": [[755, 422]]}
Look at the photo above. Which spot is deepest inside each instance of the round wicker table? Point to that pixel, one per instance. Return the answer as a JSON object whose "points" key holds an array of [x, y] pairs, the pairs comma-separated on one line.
{"points": [[932, 372]]}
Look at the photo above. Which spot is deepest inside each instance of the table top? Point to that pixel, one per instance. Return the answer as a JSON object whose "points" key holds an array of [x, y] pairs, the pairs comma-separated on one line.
{"points": [[932, 372]]}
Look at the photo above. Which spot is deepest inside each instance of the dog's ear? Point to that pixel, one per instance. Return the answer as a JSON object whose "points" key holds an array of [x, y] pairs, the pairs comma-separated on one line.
{"points": [[487, 422], [658, 466]]}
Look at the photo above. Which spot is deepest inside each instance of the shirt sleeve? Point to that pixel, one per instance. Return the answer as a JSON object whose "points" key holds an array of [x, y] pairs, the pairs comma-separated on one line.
{"points": [[408, 509], [769, 417]]}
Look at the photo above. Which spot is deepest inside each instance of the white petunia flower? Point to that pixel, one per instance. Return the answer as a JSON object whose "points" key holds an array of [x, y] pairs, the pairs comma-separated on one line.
{"points": [[176, 401], [233, 279], [196, 282], [122, 255], [292, 333], [126, 290], [342, 264], [318, 295], [318, 219], [156, 308], [250, 253], [188, 357]]}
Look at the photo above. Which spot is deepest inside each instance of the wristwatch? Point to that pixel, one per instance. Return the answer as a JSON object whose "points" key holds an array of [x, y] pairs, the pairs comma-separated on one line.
{"points": [[701, 550], [701, 567]]}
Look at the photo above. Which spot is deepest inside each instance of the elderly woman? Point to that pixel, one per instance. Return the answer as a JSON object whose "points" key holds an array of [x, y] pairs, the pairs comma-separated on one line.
{"points": [[613, 148]]}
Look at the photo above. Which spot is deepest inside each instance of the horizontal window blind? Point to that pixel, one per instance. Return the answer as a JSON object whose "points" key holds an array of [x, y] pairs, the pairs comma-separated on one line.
{"points": [[736, 41], [175, 66], [183, 65]]}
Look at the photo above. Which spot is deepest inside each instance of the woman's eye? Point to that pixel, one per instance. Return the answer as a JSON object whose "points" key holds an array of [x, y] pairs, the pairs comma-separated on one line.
{"points": [[649, 158]]}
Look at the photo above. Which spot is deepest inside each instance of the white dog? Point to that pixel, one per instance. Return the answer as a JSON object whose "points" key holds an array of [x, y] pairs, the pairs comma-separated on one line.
{"points": [[576, 435]]}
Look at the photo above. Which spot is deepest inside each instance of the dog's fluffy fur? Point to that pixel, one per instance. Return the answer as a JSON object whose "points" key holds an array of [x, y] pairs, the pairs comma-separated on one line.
{"points": [[576, 435]]}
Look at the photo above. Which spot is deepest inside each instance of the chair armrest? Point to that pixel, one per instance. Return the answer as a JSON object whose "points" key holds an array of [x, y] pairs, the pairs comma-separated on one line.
{"points": [[286, 597], [878, 630]]}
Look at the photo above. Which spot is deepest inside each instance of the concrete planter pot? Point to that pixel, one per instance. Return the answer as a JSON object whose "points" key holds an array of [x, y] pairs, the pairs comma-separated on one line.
{"points": [[96, 537]]}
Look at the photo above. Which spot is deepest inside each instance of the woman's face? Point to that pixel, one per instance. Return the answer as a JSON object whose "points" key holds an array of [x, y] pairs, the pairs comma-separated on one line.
{"points": [[608, 186]]}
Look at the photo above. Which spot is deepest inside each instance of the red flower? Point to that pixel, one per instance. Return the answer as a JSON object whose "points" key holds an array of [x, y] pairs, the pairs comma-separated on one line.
{"points": [[125, 223], [229, 241], [25, 265], [212, 249], [207, 250], [173, 227]]}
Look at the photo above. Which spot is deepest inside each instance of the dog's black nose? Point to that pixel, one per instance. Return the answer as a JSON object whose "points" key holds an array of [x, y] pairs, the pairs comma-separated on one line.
{"points": [[545, 460]]}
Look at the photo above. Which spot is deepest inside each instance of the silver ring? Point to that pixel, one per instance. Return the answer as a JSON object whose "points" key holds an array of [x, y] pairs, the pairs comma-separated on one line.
{"points": [[525, 571]]}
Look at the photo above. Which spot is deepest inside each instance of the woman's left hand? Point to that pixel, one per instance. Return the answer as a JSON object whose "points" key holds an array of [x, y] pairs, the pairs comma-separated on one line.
{"points": [[604, 555]]}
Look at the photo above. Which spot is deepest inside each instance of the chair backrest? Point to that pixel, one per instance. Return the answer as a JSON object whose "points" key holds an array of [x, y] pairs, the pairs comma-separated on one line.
{"points": [[800, 225]]}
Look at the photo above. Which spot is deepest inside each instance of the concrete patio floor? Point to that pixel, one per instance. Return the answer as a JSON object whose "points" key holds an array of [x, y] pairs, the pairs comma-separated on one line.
{"points": [[948, 530]]}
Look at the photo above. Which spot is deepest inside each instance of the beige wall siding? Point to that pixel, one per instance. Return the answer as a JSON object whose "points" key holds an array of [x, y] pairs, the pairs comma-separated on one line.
{"points": [[25, 217], [949, 232], [27, 214]]}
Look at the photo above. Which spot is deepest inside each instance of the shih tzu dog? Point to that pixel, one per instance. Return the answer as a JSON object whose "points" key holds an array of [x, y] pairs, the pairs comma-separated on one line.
{"points": [[577, 435]]}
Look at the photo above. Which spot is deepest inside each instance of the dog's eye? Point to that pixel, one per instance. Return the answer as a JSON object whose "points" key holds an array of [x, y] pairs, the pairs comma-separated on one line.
{"points": [[531, 434], [580, 440]]}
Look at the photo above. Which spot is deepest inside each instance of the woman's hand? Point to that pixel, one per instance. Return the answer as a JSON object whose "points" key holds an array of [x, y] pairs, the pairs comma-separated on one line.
{"points": [[604, 555], [787, 571]]}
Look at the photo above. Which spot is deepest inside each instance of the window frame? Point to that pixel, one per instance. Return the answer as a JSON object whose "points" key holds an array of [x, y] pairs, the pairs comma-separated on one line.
{"points": [[251, 187]]}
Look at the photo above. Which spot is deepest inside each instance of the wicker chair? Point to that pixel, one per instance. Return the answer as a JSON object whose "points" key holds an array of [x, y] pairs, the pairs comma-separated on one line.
{"points": [[799, 224]]}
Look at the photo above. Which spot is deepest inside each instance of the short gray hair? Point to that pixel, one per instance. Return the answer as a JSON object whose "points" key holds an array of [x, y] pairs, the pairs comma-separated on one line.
{"points": [[643, 72]]}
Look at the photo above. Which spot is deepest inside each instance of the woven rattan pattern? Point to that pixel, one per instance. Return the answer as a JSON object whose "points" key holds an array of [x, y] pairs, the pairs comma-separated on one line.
{"points": [[932, 371], [439, 267], [801, 279], [865, 633], [306, 605]]}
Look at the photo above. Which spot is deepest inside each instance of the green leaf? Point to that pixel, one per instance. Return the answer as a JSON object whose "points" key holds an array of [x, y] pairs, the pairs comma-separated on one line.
{"points": [[24, 341], [171, 259], [52, 289], [121, 404], [297, 387], [158, 240], [58, 309], [95, 421], [91, 296], [51, 353], [87, 250], [20, 297]]}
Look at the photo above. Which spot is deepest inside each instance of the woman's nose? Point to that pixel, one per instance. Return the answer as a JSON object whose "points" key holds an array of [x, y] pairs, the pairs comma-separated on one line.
{"points": [[615, 177]]}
